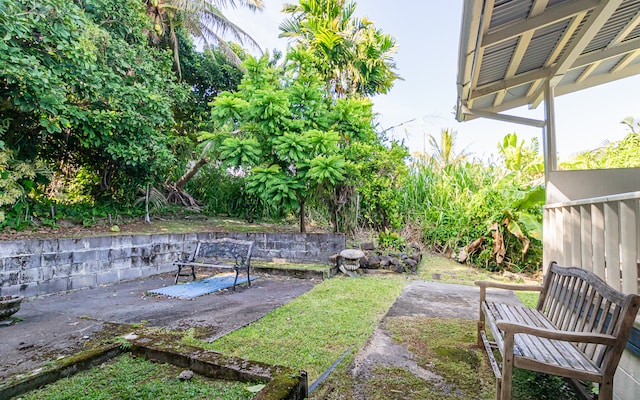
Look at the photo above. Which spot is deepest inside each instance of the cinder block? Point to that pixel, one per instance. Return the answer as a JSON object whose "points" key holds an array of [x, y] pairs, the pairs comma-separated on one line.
{"points": [[148, 271], [22, 262], [62, 271], [100, 242], [121, 241], [29, 275], [13, 290], [118, 254], [163, 239], [9, 278], [84, 256], [80, 269], [28, 289], [73, 244], [64, 258], [166, 268], [50, 246], [137, 262], [20, 247], [53, 286], [124, 263], [48, 260], [140, 240], [107, 277], [129, 274], [82, 281], [630, 363], [45, 273]]}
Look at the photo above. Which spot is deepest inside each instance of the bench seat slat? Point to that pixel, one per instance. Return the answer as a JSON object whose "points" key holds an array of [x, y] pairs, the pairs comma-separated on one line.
{"points": [[553, 352]]}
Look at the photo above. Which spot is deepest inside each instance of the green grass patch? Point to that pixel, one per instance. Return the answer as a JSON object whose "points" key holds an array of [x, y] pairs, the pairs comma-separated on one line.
{"points": [[313, 330], [127, 377]]}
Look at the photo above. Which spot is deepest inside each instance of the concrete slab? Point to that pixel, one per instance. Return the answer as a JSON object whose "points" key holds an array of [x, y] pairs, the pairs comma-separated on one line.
{"points": [[57, 325]]}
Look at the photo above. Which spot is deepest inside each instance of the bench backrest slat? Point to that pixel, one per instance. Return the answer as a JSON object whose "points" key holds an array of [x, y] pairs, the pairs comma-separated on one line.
{"points": [[574, 299], [238, 251]]}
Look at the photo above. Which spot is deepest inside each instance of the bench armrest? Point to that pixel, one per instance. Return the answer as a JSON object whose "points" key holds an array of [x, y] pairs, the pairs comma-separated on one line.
{"points": [[567, 336], [508, 286]]}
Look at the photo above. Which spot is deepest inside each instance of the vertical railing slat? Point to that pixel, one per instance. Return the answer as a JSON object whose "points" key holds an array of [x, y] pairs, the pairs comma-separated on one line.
{"points": [[597, 239], [585, 237], [628, 242], [612, 244], [576, 244], [566, 237]]}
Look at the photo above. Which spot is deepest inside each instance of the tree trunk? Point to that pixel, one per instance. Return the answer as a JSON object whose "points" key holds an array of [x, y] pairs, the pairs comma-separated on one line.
{"points": [[180, 184], [303, 226]]}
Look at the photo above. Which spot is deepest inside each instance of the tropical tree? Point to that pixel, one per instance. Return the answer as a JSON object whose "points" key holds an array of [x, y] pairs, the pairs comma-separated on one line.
{"points": [[80, 87], [279, 134], [354, 56], [444, 149], [204, 20]]}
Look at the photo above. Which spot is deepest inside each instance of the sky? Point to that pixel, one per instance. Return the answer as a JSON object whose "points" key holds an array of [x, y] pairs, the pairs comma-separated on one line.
{"points": [[428, 34]]}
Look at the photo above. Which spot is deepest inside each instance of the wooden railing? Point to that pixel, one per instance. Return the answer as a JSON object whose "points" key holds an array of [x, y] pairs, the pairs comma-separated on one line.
{"points": [[600, 234]]}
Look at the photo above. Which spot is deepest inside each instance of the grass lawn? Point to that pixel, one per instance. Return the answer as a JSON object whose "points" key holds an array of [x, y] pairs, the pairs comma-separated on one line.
{"points": [[127, 377], [313, 330]]}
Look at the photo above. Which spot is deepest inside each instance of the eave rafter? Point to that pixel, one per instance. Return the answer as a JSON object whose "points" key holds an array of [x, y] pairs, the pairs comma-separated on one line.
{"points": [[563, 47]]}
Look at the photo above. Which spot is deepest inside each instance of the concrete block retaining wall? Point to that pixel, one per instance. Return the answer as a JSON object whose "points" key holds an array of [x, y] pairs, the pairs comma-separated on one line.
{"points": [[38, 267]]}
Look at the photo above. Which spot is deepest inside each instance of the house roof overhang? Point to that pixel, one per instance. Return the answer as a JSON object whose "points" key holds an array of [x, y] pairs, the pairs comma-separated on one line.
{"points": [[510, 50]]}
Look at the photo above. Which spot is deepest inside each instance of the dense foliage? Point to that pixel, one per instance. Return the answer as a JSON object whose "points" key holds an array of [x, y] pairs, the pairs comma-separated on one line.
{"points": [[295, 145], [490, 215], [79, 87], [89, 110]]}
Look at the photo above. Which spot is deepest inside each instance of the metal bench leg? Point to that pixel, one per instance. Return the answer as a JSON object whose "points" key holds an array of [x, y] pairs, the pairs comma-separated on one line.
{"points": [[235, 280]]}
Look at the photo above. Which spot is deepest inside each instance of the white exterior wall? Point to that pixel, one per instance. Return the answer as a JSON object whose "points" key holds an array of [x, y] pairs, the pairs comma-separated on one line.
{"points": [[565, 186]]}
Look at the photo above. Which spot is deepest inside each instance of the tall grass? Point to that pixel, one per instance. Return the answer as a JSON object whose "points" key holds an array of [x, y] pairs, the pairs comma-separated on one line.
{"points": [[457, 204]]}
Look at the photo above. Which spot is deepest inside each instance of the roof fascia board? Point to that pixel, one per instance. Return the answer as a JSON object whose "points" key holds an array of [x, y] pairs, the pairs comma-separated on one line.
{"points": [[471, 20], [548, 17]]}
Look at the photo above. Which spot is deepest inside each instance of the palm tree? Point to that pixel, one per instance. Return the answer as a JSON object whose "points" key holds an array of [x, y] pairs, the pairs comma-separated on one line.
{"points": [[355, 57], [202, 19], [444, 152]]}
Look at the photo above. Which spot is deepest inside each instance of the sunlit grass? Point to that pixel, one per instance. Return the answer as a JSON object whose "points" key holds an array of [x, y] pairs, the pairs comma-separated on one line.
{"points": [[313, 330]]}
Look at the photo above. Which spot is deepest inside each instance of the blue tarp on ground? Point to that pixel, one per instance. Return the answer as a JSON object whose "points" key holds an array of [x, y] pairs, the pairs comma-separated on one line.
{"points": [[189, 290]]}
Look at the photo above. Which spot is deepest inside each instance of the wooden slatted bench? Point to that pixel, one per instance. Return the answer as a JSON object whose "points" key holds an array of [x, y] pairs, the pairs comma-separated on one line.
{"points": [[578, 330], [220, 253]]}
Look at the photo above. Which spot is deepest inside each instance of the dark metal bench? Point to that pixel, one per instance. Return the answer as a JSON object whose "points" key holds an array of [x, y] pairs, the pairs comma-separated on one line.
{"points": [[578, 330], [220, 253]]}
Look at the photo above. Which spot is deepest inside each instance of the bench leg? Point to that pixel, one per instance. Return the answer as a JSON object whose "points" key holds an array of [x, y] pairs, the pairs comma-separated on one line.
{"points": [[248, 276], [605, 391], [480, 329], [236, 279], [507, 368]]}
